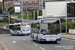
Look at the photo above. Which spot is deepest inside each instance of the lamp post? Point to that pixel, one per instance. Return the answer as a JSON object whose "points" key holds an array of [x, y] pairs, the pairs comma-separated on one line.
{"points": [[22, 10], [9, 16], [4, 16], [66, 16], [27, 11]]}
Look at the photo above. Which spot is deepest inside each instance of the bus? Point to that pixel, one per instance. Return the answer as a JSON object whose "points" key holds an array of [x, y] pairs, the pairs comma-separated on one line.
{"points": [[46, 30], [19, 29]]}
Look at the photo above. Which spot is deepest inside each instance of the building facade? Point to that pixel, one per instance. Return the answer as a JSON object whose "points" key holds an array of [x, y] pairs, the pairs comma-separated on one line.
{"points": [[55, 9], [29, 4], [60, 9], [1, 6]]}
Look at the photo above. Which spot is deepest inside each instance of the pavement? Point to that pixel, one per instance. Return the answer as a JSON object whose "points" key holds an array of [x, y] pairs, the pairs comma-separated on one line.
{"points": [[68, 36]]}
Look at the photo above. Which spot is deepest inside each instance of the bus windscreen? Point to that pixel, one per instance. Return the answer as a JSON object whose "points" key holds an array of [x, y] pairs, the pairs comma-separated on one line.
{"points": [[14, 27], [50, 27]]}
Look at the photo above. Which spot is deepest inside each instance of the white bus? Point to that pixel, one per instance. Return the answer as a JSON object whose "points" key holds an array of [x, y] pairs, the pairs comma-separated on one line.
{"points": [[19, 29], [46, 30]]}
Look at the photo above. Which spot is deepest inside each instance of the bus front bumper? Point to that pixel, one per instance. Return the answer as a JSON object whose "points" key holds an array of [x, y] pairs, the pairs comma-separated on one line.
{"points": [[42, 39], [20, 33]]}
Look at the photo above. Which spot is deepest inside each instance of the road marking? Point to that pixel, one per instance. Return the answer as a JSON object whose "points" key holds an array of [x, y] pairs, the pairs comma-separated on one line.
{"points": [[42, 48], [13, 41], [35, 44], [3, 46], [28, 41]]}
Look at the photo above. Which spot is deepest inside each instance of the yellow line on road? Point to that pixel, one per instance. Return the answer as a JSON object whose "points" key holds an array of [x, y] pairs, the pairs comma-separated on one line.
{"points": [[2, 46]]}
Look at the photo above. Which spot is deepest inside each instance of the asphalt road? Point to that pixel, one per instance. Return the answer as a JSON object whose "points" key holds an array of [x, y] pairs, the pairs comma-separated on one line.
{"points": [[26, 43]]}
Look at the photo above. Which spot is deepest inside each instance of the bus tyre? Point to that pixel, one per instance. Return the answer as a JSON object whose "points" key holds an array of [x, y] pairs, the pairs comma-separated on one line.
{"points": [[18, 33], [12, 34], [55, 41], [27, 34], [33, 37], [37, 39]]}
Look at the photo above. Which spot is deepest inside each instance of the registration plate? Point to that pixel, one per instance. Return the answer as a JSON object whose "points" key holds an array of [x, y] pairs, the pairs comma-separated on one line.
{"points": [[15, 31], [49, 39]]}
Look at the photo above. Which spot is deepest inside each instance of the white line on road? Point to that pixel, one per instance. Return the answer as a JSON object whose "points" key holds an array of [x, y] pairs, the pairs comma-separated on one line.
{"points": [[42, 48], [35, 44], [28, 41], [13, 41]]}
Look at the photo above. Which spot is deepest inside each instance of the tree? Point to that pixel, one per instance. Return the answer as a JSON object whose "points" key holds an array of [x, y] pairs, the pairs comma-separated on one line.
{"points": [[12, 10], [40, 13], [13, 21]]}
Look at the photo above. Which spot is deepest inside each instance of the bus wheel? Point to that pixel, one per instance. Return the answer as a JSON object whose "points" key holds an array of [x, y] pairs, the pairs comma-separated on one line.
{"points": [[33, 38], [18, 33], [55, 41], [12, 34], [37, 39], [27, 34]]}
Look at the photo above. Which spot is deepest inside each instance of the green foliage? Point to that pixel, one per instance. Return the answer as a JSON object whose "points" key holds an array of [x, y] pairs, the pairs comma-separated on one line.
{"points": [[25, 16], [19, 17], [70, 25], [40, 13], [13, 21], [6, 12], [12, 10], [30, 16], [7, 25], [2, 24]]}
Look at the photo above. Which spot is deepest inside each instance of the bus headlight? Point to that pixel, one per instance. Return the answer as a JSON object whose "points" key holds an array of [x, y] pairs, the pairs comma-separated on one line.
{"points": [[59, 36], [42, 36]]}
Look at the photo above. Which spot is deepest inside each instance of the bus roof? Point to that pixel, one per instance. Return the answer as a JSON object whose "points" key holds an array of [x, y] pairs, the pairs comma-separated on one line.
{"points": [[35, 21], [51, 19], [15, 24]]}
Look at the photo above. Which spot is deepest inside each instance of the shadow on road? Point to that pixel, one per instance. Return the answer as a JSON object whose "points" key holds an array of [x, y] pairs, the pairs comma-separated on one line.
{"points": [[19, 35], [46, 42]]}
